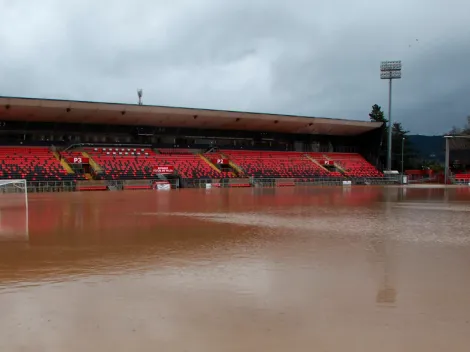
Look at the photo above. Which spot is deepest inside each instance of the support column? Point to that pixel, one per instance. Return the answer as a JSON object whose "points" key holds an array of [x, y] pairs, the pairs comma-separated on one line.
{"points": [[390, 126], [446, 170]]}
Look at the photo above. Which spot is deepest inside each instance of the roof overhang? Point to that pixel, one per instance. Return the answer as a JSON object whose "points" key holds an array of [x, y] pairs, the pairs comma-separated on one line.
{"points": [[458, 142], [67, 111]]}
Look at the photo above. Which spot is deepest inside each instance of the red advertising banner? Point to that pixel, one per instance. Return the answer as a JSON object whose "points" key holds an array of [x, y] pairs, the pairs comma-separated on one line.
{"points": [[77, 160], [220, 161], [163, 170], [419, 172]]}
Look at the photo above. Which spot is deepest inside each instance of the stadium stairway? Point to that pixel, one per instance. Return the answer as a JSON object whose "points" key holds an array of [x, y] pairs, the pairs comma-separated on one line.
{"points": [[208, 162], [94, 165], [56, 155], [64, 163], [316, 162], [353, 165], [337, 165], [238, 170], [66, 166]]}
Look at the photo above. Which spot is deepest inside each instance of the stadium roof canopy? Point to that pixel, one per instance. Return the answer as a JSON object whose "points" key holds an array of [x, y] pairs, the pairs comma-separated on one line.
{"points": [[458, 142], [67, 111]]}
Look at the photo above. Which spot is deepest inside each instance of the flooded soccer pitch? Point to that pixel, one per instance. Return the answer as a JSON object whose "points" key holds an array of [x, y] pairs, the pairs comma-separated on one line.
{"points": [[294, 269]]}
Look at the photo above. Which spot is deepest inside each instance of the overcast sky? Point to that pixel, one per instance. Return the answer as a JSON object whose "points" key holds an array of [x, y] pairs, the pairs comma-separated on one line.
{"points": [[315, 58]]}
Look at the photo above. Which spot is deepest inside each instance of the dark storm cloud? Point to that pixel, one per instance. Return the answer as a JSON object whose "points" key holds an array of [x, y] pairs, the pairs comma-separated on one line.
{"points": [[299, 57]]}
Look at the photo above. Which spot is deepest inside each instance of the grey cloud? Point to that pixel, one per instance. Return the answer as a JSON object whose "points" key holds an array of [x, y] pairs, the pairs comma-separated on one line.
{"points": [[299, 57]]}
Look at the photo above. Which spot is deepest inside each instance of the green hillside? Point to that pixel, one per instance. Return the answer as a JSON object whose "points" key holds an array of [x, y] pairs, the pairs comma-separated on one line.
{"points": [[428, 147]]}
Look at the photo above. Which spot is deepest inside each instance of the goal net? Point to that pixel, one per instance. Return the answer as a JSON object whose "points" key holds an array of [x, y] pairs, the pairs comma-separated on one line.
{"points": [[14, 210]]}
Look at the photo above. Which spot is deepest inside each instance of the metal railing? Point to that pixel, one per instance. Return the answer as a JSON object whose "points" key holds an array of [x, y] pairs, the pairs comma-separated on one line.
{"points": [[279, 182], [323, 181], [51, 186], [459, 181], [118, 185]]}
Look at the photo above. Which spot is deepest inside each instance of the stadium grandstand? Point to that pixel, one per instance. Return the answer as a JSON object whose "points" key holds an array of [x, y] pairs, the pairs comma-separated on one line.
{"points": [[100, 146], [457, 161]]}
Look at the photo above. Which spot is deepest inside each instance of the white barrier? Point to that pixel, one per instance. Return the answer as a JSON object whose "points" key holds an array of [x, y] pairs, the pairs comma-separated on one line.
{"points": [[162, 186], [347, 183], [165, 187]]}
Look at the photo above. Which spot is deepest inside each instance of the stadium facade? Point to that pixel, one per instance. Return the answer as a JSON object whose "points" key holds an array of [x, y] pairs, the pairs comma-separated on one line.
{"points": [[59, 140]]}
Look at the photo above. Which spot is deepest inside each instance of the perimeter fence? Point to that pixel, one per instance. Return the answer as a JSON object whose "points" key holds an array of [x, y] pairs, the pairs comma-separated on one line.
{"points": [[119, 185]]}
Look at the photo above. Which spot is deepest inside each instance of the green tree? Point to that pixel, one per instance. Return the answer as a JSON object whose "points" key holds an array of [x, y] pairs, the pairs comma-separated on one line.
{"points": [[377, 115], [461, 131], [398, 131], [400, 145], [399, 142], [455, 131], [466, 130]]}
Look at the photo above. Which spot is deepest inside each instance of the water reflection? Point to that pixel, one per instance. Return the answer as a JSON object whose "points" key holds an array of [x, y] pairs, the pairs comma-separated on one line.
{"points": [[244, 269]]}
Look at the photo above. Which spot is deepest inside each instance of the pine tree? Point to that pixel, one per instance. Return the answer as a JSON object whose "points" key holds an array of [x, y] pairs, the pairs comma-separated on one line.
{"points": [[377, 115], [398, 133]]}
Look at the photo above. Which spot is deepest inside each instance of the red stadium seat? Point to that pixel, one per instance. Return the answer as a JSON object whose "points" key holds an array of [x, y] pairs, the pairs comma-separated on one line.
{"points": [[33, 164], [135, 163], [138, 163], [354, 165], [269, 164], [462, 177]]}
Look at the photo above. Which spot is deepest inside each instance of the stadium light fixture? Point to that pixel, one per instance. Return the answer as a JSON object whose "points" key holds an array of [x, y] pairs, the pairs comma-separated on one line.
{"points": [[390, 70]]}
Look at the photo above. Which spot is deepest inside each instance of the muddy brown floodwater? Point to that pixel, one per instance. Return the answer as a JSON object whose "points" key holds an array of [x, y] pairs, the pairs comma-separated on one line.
{"points": [[301, 269]]}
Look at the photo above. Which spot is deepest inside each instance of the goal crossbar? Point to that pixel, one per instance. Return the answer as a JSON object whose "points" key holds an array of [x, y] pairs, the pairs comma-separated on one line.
{"points": [[9, 182], [20, 183]]}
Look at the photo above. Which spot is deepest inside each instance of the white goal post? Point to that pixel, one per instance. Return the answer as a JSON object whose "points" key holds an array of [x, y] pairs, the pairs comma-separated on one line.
{"points": [[14, 210]]}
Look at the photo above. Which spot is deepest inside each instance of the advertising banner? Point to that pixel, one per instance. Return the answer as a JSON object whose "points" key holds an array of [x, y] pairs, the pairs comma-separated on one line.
{"points": [[163, 170]]}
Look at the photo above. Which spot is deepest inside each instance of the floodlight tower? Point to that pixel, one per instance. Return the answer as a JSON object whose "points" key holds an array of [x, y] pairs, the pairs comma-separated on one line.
{"points": [[139, 94], [390, 70]]}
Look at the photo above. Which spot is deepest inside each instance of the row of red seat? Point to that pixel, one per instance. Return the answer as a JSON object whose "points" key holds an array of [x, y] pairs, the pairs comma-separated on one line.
{"points": [[354, 165], [131, 164], [297, 164], [462, 177], [275, 164], [32, 164], [38, 163], [136, 163]]}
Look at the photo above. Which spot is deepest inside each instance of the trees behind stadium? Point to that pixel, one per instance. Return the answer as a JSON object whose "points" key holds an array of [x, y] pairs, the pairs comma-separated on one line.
{"points": [[398, 133], [414, 157], [461, 131]]}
